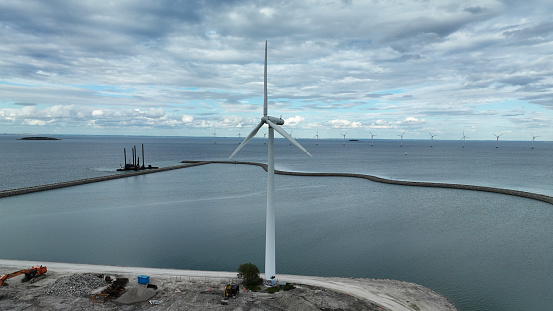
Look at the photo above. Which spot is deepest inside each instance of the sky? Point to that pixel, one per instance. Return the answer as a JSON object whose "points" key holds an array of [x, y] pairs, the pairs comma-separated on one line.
{"points": [[195, 68]]}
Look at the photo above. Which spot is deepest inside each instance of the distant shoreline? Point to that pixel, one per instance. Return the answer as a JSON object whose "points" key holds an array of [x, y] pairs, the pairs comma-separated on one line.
{"points": [[38, 138]]}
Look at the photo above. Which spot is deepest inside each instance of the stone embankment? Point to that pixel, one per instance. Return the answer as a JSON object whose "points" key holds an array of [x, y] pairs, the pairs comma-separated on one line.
{"points": [[65, 184], [524, 194]]}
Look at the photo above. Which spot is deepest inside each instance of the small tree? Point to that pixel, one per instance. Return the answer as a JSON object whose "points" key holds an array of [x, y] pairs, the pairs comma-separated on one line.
{"points": [[250, 274]]}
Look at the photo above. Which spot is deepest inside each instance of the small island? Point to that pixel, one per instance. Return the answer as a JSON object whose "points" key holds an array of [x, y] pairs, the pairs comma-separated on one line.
{"points": [[39, 138]]}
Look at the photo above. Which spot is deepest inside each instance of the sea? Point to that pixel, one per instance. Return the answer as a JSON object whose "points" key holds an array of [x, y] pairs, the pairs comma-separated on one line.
{"points": [[483, 251]]}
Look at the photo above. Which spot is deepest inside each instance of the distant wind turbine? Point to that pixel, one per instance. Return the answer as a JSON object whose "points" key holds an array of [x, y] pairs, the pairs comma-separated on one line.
{"points": [[463, 139], [401, 143], [431, 139], [264, 134], [273, 124], [497, 140], [533, 138], [344, 134], [372, 136], [214, 137], [317, 136]]}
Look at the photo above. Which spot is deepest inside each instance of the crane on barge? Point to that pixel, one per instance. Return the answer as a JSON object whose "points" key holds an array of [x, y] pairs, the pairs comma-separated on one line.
{"points": [[134, 162]]}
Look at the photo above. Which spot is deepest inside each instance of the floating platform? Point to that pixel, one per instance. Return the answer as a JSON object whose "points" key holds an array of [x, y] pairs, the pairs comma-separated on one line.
{"points": [[130, 167], [134, 162]]}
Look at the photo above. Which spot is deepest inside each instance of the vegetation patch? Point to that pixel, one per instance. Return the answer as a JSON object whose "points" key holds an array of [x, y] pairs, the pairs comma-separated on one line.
{"points": [[288, 286], [253, 288], [273, 289]]}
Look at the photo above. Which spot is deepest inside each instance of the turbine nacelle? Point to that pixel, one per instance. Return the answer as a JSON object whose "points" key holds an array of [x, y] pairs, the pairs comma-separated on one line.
{"points": [[277, 121]]}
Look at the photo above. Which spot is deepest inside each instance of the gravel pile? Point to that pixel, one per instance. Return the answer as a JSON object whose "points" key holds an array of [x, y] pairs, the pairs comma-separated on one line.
{"points": [[77, 285]]}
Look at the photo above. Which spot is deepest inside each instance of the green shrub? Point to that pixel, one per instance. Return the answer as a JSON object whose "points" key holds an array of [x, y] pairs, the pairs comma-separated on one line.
{"points": [[249, 273]]}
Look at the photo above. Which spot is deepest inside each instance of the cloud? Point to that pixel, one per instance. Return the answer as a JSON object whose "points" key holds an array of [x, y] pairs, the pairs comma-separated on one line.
{"points": [[475, 9], [294, 121], [343, 124], [187, 119], [149, 67]]}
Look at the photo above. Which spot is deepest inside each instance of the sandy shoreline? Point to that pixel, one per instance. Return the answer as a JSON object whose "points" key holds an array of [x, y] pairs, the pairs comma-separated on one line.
{"points": [[387, 294]]}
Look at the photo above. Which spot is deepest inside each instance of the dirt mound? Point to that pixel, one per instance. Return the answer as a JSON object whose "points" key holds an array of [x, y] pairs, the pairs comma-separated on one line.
{"points": [[136, 294]]}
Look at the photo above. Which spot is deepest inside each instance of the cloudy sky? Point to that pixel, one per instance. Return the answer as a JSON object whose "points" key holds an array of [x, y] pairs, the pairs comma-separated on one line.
{"points": [[192, 68]]}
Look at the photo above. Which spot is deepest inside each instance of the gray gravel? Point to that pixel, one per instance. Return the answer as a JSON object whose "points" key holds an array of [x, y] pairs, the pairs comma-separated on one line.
{"points": [[77, 285]]}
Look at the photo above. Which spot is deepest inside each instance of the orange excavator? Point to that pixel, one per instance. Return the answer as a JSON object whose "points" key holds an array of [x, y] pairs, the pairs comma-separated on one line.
{"points": [[30, 274]]}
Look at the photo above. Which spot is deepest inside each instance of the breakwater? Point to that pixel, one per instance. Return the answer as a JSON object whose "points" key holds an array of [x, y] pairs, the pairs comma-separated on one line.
{"points": [[65, 184], [524, 194], [185, 164]]}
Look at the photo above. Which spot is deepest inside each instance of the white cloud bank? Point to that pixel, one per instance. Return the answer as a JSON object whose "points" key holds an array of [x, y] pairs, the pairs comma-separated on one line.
{"points": [[188, 68]]}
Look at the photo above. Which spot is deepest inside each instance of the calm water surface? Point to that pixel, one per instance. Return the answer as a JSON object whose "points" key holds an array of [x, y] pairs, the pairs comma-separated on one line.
{"points": [[483, 251]]}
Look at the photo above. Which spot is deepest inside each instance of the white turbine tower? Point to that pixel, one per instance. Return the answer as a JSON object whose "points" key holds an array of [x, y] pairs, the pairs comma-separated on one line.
{"points": [[372, 140], [215, 137], [273, 124], [431, 139], [317, 136], [497, 140], [463, 139], [401, 144]]}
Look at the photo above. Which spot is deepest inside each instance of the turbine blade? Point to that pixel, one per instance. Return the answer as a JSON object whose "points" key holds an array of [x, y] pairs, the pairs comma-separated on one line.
{"points": [[265, 84], [285, 135], [252, 134]]}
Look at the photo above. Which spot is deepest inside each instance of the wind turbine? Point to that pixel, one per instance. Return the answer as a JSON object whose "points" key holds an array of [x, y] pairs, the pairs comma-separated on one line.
{"points": [[264, 142], [344, 137], [214, 137], [401, 144], [533, 138], [497, 140], [372, 136], [317, 136], [463, 139], [431, 139], [273, 124]]}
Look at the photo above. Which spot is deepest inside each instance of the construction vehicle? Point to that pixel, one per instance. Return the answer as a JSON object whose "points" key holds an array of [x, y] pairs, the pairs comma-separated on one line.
{"points": [[31, 274], [113, 290], [232, 290]]}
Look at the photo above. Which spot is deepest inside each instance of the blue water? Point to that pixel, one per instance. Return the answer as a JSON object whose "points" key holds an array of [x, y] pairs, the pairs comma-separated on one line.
{"points": [[483, 251]]}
